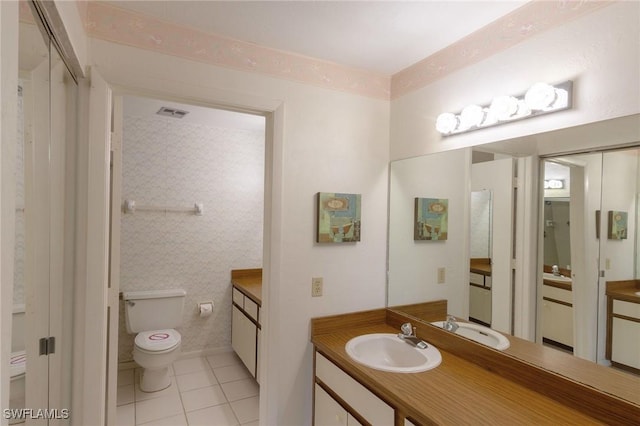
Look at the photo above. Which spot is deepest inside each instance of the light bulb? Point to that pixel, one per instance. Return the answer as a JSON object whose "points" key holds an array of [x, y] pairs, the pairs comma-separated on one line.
{"points": [[504, 107], [471, 115], [446, 122], [540, 96]]}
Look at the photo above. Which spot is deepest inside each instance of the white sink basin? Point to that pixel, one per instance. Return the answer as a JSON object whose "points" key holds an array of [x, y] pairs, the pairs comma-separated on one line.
{"points": [[388, 352], [481, 334], [559, 278]]}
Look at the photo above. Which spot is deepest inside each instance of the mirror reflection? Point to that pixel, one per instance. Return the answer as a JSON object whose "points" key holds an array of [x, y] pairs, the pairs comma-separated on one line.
{"points": [[30, 263], [480, 263], [582, 260]]}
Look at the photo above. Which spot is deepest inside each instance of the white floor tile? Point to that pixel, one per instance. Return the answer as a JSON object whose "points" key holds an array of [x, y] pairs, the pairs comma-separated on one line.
{"points": [[125, 394], [158, 408], [126, 377], [241, 389], [189, 365], [201, 398], [220, 415], [142, 396], [179, 420], [231, 373], [223, 359], [199, 379], [247, 410], [126, 415]]}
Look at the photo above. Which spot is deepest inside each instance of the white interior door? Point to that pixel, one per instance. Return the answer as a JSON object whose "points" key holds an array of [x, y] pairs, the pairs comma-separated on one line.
{"points": [[497, 176], [37, 236], [114, 260], [92, 278]]}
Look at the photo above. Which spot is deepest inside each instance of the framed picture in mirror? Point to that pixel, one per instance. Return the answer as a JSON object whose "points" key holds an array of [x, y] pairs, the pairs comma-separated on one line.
{"points": [[431, 219], [617, 227]]}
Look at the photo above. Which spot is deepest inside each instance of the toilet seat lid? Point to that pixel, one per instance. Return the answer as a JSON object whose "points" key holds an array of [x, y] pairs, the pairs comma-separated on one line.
{"points": [[18, 363], [157, 340]]}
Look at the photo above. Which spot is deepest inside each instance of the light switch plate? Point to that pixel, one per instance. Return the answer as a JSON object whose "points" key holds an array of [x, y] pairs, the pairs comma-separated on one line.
{"points": [[316, 287]]}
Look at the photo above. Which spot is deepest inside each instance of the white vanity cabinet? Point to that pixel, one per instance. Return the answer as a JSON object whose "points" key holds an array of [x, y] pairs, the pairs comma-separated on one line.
{"points": [[352, 400], [557, 315], [245, 330], [625, 334], [480, 293]]}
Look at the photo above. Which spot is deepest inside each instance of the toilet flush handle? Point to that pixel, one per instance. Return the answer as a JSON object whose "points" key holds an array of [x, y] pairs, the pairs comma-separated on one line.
{"points": [[131, 303]]}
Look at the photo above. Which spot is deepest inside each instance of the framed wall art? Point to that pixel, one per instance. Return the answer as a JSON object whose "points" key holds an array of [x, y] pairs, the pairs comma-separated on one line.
{"points": [[431, 219], [338, 217], [617, 227]]}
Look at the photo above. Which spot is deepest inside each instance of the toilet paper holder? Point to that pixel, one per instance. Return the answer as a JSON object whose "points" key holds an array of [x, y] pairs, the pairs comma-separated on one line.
{"points": [[205, 308]]}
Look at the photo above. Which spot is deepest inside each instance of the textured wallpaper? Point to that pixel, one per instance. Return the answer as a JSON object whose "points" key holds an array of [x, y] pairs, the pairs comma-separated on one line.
{"points": [[171, 163]]}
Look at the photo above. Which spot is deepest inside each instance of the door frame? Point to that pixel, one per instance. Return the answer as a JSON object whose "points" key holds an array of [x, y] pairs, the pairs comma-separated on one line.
{"points": [[273, 111]]}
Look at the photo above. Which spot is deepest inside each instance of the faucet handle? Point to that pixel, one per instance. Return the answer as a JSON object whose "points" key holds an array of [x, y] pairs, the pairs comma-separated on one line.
{"points": [[407, 329]]}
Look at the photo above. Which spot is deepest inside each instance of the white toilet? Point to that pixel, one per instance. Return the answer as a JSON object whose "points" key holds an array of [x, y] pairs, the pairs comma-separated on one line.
{"points": [[153, 315]]}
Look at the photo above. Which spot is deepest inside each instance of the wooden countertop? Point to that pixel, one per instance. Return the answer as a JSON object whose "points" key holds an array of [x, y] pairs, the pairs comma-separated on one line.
{"points": [[606, 379], [558, 284], [249, 282], [478, 385], [624, 290], [456, 392], [481, 266]]}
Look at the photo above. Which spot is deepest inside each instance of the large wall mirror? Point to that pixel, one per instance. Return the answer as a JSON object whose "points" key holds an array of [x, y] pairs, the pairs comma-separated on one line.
{"points": [[563, 221]]}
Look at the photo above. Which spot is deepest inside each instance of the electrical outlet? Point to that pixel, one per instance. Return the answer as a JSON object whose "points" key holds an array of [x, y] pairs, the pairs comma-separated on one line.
{"points": [[441, 275], [316, 287]]}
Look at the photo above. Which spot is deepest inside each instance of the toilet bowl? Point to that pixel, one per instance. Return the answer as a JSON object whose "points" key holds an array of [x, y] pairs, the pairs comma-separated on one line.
{"points": [[153, 315], [18, 368], [154, 351]]}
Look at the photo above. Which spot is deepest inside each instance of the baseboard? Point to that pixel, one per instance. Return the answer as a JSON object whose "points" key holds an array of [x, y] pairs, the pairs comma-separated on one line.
{"points": [[205, 352], [127, 365]]}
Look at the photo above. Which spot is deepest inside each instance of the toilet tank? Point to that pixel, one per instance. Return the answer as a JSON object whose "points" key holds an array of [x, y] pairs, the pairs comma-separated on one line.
{"points": [[153, 310]]}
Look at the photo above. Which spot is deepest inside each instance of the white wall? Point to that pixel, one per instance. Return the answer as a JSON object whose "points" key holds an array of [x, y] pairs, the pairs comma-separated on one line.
{"points": [[169, 162], [600, 52], [328, 141], [409, 259]]}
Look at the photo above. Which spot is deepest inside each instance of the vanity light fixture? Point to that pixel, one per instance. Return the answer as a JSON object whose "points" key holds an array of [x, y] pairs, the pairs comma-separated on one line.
{"points": [[541, 98], [554, 184]]}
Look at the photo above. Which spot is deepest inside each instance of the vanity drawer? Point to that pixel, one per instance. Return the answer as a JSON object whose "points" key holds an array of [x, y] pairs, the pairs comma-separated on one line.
{"points": [[476, 278], [629, 309], [251, 308], [369, 406], [557, 294], [238, 297]]}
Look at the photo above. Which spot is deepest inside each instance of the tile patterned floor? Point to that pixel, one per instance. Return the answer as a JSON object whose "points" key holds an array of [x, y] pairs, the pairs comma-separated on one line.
{"points": [[216, 390]]}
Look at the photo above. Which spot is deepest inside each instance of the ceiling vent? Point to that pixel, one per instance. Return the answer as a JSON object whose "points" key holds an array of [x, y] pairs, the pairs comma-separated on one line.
{"points": [[172, 112]]}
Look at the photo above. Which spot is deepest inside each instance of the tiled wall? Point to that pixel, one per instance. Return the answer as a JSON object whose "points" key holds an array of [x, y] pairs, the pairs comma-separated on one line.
{"points": [[171, 163]]}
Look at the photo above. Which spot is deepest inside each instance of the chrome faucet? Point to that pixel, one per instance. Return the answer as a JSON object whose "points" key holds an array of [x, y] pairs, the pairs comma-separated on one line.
{"points": [[555, 270], [409, 335], [450, 324]]}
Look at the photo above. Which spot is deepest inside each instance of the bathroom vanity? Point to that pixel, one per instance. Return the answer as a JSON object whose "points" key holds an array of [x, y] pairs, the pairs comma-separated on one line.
{"points": [[623, 324], [480, 290], [245, 319], [473, 383], [557, 311]]}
